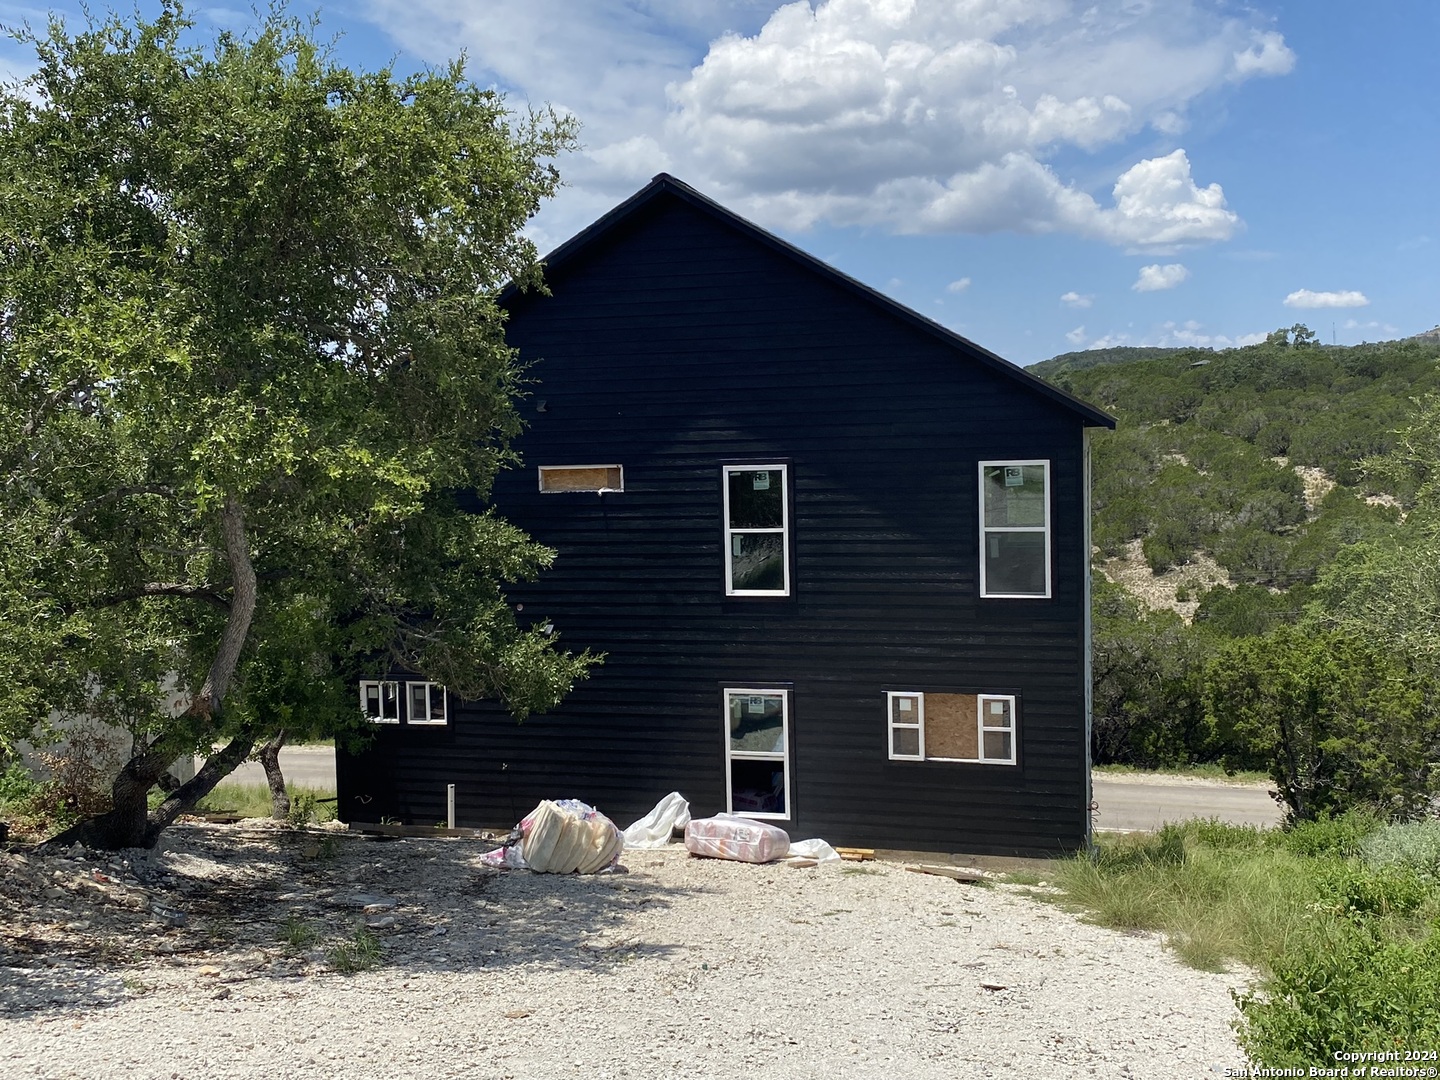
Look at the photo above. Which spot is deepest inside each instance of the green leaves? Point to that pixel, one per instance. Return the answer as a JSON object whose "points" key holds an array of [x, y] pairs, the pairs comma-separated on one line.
{"points": [[248, 276]]}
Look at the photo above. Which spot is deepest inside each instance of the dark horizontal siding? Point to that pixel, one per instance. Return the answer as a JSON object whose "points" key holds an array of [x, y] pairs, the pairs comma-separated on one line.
{"points": [[681, 344]]}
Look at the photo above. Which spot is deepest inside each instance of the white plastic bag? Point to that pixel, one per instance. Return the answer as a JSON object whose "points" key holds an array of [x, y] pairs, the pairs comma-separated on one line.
{"points": [[818, 850], [656, 828], [728, 836]]}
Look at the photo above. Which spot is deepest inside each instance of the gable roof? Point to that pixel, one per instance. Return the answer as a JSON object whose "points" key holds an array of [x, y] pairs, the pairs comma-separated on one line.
{"points": [[666, 186]]}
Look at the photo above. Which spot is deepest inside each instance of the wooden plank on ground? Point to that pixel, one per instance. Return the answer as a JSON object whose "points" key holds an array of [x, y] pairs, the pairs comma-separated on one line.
{"points": [[855, 854], [959, 873]]}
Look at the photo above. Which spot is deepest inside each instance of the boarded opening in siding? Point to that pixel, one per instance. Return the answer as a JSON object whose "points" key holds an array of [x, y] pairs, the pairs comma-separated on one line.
{"points": [[582, 478], [950, 727]]}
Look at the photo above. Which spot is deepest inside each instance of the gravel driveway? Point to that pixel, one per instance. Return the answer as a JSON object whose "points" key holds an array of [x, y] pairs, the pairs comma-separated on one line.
{"points": [[177, 964]]}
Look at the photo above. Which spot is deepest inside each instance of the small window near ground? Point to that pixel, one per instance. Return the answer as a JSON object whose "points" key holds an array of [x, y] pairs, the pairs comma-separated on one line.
{"points": [[1014, 529], [380, 701], [556, 478], [757, 759], [757, 555], [951, 727], [427, 703]]}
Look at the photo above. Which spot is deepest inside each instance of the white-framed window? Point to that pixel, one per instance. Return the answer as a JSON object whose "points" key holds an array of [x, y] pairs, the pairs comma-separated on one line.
{"points": [[1015, 529], [951, 727], [380, 701], [757, 752], [906, 710], [559, 478], [427, 703], [757, 530]]}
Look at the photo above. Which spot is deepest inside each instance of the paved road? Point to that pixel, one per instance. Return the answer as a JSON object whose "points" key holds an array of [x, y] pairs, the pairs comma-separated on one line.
{"points": [[1125, 802], [1147, 803]]}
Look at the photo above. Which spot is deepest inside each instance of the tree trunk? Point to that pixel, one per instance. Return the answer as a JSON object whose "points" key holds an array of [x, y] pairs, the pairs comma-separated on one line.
{"points": [[127, 823], [217, 766], [270, 761]]}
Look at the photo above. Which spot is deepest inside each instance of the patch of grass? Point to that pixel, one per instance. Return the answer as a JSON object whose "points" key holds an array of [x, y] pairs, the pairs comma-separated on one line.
{"points": [[1221, 894], [1348, 948], [1025, 877], [860, 870], [361, 953], [1208, 771], [253, 800], [297, 933]]}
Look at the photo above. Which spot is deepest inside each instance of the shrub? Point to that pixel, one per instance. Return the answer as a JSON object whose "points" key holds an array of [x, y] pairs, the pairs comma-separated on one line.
{"points": [[1335, 837], [1352, 891], [1416, 846], [1338, 722], [1347, 987]]}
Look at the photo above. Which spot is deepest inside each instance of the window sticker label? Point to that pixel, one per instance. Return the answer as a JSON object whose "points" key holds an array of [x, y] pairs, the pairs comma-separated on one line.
{"points": [[1014, 476], [907, 704], [997, 707], [761, 481], [757, 704]]}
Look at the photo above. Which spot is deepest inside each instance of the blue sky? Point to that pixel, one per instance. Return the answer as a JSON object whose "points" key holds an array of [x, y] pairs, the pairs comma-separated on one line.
{"points": [[1039, 175]]}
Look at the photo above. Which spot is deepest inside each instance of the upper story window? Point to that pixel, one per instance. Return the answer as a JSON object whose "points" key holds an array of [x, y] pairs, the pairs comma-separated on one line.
{"points": [[757, 531], [427, 703], [555, 478], [1015, 528]]}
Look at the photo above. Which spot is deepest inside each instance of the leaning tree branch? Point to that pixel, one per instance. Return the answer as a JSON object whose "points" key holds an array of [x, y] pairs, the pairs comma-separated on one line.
{"points": [[166, 588], [242, 612], [88, 507]]}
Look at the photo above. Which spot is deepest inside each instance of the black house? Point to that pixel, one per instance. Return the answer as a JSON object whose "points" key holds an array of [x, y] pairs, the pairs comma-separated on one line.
{"points": [[837, 557]]}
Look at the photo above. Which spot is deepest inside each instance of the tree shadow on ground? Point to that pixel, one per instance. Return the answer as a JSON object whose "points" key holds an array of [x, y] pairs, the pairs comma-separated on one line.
{"points": [[284, 905]]}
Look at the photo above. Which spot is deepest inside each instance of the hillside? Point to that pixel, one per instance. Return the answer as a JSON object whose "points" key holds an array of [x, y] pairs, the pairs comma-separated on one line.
{"points": [[1252, 458], [1088, 358]]}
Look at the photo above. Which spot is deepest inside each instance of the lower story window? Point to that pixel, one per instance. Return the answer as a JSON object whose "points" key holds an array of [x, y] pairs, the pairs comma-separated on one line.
{"points": [[757, 757], [380, 701], [951, 727], [425, 702]]}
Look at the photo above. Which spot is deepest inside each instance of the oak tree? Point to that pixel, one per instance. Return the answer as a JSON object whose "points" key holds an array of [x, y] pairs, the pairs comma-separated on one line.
{"points": [[255, 390]]}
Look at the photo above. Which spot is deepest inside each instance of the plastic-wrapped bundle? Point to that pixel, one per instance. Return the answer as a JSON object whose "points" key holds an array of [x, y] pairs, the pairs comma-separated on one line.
{"points": [[562, 837], [728, 836]]}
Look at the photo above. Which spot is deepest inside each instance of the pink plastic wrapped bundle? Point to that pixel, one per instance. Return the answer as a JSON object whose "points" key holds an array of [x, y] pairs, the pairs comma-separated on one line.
{"points": [[727, 836]]}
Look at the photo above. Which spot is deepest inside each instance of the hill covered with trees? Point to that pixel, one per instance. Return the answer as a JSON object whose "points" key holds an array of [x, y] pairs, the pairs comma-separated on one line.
{"points": [[1289, 494]]}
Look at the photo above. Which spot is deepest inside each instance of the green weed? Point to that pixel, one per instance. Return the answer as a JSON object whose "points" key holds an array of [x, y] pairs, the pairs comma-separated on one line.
{"points": [[361, 953]]}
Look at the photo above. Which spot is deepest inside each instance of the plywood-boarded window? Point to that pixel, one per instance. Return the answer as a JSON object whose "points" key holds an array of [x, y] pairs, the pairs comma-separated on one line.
{"points": [[555, 478], [951, 727]]}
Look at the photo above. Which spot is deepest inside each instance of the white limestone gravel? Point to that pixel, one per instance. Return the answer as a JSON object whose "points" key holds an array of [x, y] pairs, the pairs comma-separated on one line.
{"points": [[679, 968]]}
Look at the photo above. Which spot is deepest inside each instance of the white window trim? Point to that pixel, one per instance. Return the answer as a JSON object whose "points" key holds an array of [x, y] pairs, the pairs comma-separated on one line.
{"points": [[365, 684], [541, 470], [890, 725], [752, 755], [987, 530], [980, 700], [430, 689], [783, 530]]}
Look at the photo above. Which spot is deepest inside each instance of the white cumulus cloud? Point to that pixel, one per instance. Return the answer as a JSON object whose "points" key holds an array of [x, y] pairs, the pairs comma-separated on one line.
{"points": [[1076, 336], [1268, 55], [1073, 299], [1304, 298], [912, 116], [1156, 277], [958, 286]]}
